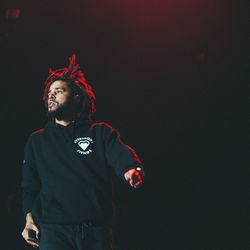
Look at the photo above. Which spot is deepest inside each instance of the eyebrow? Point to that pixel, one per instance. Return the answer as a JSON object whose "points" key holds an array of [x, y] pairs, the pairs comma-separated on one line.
{"points": [[55, 89]]}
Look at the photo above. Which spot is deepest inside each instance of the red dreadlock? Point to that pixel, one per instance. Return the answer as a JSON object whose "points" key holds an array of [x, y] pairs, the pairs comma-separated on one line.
{"points": [[77, 82]]}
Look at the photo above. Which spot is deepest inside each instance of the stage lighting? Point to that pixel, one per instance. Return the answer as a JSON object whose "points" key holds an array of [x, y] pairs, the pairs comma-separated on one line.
{"points": [[12, 13]]}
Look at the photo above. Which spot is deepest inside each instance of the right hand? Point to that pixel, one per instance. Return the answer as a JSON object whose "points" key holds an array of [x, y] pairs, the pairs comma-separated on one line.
{"points": [[25, 234]]}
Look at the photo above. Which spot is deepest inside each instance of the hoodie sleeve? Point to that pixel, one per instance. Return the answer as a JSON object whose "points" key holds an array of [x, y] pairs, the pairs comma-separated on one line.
{"points": [[119, 156], [30, 180]]}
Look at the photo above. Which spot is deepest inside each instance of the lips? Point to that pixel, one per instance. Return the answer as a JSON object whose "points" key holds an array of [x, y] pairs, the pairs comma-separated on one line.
{"points": [[51, 103]]}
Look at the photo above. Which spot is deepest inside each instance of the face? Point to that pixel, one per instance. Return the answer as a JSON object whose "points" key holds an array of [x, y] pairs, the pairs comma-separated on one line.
{"points": [[60, 99]]}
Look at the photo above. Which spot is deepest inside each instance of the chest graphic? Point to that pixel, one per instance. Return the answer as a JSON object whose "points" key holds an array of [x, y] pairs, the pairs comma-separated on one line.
{"points": [[84, 144]]}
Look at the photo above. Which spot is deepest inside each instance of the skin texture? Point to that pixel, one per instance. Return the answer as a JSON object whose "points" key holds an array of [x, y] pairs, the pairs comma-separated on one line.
{"points": [[134, 177], [60, 95], [61, 98], [30, 226]]}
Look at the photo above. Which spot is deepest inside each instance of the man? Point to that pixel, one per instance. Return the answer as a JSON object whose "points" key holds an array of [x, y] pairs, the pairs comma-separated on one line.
{"points": [[67, 169]]}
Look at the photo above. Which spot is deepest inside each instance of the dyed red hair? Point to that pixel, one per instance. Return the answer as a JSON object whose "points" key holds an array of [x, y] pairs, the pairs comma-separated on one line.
{"points": [[77, 83]]}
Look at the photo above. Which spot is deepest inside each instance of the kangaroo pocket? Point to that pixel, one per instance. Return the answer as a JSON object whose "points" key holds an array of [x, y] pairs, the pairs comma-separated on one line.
{"points": [[51, 208], [63, 206]]}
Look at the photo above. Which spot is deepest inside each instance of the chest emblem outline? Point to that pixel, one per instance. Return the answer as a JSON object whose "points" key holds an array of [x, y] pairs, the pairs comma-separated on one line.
{"points": [[85, 144]]}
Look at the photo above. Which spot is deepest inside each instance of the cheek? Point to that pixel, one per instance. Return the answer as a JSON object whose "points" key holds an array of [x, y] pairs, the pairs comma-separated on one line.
{"points": [[63, 99]]}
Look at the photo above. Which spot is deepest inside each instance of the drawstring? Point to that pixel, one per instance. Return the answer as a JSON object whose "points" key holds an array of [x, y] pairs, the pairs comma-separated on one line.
{"points": [[79, 229], [70, 133], [84, 225], [66, 133], [82, 231], [74, 131]]}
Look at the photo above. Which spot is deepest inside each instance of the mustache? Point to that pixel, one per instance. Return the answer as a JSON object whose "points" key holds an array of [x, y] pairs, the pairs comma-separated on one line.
{"points": [[52, 101]]}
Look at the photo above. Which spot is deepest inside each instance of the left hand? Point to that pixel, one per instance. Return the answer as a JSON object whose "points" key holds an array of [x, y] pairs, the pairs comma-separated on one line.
{"points": [[134, 177]]}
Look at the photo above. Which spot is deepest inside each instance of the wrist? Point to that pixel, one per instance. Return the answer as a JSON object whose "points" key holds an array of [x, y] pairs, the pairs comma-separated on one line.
{"points": [[29, 219]]}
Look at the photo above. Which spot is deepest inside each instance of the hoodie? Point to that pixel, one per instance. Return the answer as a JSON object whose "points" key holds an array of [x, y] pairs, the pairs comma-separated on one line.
{"points": [[66, 172]]}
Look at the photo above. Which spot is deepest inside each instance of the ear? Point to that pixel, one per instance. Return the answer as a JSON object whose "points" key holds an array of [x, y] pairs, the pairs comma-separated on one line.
{"points": [[77, 97]]}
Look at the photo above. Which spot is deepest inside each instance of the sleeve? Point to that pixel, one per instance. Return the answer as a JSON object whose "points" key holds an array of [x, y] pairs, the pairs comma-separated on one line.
{"points": [[30, 182], [119, 156]]}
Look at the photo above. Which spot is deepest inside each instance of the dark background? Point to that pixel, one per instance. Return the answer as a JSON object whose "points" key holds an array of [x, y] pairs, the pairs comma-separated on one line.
{"points": [[168, 75]]}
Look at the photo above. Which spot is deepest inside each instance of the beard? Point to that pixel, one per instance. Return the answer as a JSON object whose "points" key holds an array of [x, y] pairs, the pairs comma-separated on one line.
{"points": [[60, 112]]}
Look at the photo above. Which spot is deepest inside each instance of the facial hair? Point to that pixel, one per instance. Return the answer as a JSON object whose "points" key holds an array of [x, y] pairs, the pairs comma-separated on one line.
{"points": [[60, 111]]}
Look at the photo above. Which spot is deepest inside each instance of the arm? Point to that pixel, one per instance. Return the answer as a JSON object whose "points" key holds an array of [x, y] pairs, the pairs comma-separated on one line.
{"points": [[30, 190], [123, 158]]}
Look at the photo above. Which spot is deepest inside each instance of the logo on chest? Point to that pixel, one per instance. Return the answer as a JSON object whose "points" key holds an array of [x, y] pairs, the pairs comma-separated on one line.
{"points": [[84, 144]]}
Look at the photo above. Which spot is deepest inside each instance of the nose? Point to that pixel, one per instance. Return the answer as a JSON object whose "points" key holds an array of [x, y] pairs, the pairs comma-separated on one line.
{"points": [[51, 96]]}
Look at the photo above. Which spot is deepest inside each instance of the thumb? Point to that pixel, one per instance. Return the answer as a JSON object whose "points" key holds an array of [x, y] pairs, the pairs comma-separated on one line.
{"points": [[131, 182]]}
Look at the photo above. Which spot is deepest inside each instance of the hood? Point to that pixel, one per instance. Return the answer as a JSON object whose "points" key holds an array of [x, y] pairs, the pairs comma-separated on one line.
{"points": [[69, 131], [78, 122]]}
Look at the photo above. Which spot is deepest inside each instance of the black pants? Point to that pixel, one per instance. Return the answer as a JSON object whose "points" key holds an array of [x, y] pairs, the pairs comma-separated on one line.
{"points": [[75, 237]]}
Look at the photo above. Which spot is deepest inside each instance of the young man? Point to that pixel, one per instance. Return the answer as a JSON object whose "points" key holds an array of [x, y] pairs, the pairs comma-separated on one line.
{"points": [[67, 169]]}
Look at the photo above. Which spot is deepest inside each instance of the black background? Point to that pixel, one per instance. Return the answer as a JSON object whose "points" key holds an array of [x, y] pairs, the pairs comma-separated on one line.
{"points": [[168, 75]]}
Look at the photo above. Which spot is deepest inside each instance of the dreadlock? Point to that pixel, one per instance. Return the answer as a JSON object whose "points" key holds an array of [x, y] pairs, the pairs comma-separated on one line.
{"points": [[78, 85]]}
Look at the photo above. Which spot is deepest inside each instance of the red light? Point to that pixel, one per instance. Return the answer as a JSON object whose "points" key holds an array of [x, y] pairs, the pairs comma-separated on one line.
{"points": [[12, 14]]}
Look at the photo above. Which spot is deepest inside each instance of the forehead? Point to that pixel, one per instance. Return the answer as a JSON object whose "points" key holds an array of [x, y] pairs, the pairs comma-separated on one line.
{"points": [[59, 84]]}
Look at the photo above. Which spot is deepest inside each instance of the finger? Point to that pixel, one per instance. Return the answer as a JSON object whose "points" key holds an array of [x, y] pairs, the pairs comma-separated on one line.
{"points": [[137, 184], [131, 182], [139, 177], [136, 179], [138, 174], [31, 239], [25, 234], [32, 243], [35, 228]]}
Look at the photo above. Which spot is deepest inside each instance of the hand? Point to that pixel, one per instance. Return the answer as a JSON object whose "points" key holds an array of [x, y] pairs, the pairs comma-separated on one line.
{"points": [[134, 177], [25, 234]]}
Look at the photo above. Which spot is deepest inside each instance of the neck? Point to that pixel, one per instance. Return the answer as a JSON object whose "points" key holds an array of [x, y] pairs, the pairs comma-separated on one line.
{"points": [[65, 121]]}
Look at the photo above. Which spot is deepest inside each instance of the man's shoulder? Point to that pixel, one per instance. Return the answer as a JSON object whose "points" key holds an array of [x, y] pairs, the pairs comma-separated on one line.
{"points": [[37, 133], [33, 137], [106, 129], [104, 126], [101, 125]]}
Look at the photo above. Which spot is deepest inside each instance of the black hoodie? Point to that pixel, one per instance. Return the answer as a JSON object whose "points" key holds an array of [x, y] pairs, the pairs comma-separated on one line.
{"points": [[66, 175]]}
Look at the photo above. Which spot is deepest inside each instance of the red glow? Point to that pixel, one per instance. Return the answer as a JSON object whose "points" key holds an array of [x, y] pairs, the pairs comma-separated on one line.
{"points": [[12, 14]]}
